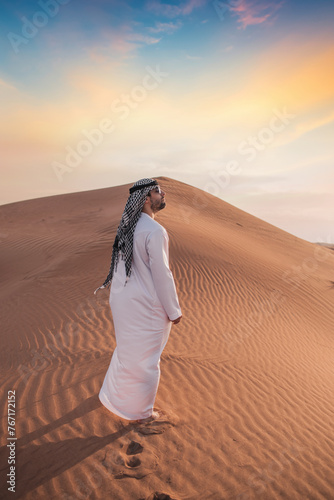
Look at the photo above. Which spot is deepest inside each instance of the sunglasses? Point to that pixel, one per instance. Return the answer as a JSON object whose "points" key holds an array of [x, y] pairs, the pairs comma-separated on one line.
{"points": [[156, 189]]}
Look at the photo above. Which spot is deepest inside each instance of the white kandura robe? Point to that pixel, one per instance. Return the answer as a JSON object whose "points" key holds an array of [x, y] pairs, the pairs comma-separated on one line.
{"points": [[142, 313]]}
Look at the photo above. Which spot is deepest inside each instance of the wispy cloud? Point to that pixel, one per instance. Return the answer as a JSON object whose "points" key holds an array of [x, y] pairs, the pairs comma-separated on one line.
{"points": [[252, 12], [193, 58], [305, 126], [168, 28], [310, 125], [168, 10], [6, 85], [142, 39], [121, 43]]}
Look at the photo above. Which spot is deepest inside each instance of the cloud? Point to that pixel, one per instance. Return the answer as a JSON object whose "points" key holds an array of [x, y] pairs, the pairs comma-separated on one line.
{"points": [[193, 58], [120, 44], [6, 85], [109, 43], [306, 124], [313, 124], [126, 39], [171, 11], [143, 39], [250, 12], [168, 28]]}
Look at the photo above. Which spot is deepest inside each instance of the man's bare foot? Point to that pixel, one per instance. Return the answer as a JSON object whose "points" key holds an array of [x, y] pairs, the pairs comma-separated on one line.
{"points": [[155, 415]]}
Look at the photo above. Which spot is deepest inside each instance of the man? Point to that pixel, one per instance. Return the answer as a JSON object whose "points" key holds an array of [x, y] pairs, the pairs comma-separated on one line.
{"points": [[144, 304]]}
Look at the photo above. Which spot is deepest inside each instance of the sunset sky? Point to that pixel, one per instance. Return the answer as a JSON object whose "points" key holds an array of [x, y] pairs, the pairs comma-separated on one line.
{"points": [[234, 97]]}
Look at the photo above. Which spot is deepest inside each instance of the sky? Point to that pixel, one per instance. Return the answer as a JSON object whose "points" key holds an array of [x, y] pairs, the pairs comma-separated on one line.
{"points": [[235, 98]]}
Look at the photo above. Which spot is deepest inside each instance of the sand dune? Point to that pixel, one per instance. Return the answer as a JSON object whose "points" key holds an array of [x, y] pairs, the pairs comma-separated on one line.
{"points": [[246, 377]]}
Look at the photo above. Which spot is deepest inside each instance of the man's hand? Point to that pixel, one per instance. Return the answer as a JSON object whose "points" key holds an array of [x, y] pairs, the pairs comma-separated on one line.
{"points": [[177, 320]]}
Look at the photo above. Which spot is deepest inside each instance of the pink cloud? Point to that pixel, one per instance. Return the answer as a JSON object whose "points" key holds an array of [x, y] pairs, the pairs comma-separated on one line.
{"points": [[252, 12], [121, 43]]}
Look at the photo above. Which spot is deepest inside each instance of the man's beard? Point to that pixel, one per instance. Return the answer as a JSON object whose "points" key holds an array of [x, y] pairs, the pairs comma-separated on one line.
{"points": [[157, 205]]}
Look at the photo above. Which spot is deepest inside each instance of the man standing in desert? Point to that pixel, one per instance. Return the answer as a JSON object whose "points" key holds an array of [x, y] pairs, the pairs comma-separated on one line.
{"points": [[144, 304]]}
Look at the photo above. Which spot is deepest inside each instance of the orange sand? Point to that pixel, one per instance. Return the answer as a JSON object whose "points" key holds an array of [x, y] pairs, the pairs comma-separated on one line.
{"points": [[246, 377]]}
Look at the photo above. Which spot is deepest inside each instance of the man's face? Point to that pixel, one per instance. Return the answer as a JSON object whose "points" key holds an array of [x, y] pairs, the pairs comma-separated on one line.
{"points": [[157, 199]]}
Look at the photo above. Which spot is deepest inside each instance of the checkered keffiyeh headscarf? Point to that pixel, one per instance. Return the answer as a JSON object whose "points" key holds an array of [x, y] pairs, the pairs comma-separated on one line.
{"points": [[124, 237]]}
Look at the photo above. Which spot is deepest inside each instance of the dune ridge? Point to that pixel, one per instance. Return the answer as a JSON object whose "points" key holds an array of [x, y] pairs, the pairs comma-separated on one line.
{"points": [[246, 377]]}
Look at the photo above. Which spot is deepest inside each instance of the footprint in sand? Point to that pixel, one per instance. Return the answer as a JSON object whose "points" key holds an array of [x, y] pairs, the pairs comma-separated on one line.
{"points": [[127, 457], [134, 448], [158, 496], [128, 460]]}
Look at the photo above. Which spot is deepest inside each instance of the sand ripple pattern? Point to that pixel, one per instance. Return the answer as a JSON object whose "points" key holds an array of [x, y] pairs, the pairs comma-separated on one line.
{"points": [[246, 378]]}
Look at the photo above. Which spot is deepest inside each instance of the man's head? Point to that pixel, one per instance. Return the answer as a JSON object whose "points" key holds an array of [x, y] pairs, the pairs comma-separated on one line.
{"points": [[155, 201], [157, 197]]}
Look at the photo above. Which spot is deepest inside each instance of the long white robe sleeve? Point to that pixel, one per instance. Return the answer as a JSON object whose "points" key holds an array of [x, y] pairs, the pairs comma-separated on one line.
{"points": [[142, 312], [157, 249]]}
